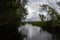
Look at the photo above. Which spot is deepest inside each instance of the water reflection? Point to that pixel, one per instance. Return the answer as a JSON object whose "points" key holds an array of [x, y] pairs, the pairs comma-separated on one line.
{"points": [[34, 33]]}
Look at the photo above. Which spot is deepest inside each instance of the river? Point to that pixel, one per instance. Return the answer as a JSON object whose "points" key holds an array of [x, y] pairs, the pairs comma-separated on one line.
{"points": [[34, 33]]}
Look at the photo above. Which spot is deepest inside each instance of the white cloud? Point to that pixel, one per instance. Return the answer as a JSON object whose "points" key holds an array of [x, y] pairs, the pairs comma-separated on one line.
{"points": [[30, 11], [32, 15]]}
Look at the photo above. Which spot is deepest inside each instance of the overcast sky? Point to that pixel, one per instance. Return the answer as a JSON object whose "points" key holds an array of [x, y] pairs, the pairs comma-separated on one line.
{"points": [[34, 11]]}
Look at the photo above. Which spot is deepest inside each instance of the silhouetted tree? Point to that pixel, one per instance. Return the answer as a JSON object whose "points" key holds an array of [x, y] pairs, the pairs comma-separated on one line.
{"points": [[55, 17], [58, 3], [42, 17], [11, 14]]}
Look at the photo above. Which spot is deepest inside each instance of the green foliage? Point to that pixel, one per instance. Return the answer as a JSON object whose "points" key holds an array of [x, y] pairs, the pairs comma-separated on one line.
{"points": [[58, 3], [54, 22], [11, 14]]}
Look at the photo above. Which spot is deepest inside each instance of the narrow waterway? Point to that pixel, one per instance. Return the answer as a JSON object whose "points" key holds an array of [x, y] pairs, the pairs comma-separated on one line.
{"points": [[34, 33]]}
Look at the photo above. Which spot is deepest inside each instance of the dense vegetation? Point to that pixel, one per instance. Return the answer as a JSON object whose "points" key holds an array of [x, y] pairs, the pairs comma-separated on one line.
{"points": [[11, 14]]}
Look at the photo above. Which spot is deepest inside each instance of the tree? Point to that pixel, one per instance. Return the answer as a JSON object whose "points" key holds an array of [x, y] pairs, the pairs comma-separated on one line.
{"points": [[54, 22], [42, 17], [58, 3], [11, 14], [51, 11]]}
